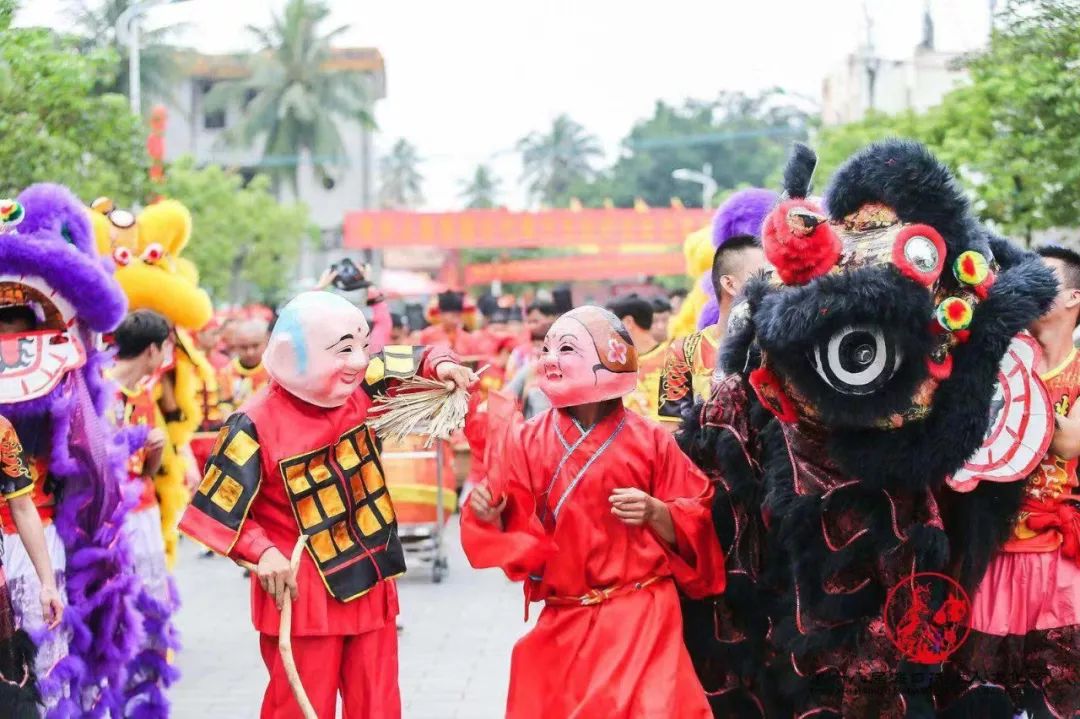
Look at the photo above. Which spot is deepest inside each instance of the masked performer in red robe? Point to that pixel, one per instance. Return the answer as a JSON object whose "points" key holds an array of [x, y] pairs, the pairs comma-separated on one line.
{"points": [[604, 519], [298, 458]]}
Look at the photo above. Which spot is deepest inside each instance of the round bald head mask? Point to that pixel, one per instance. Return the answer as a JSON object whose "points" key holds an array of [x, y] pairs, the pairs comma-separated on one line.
{"points": [[588, 356], [318, 350]]}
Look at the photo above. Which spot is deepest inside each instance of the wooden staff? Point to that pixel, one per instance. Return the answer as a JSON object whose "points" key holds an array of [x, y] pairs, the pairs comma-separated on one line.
{"points": [[285, 634]]}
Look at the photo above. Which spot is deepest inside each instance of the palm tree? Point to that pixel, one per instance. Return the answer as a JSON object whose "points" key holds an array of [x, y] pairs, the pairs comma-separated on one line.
{"points": [[292, 101], [554, 162], [399, 177], [480, 190], [158, 71]]}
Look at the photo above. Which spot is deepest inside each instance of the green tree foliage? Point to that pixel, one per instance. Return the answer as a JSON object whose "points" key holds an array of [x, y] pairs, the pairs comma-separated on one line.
{"points": [[158, 71], [744, 138], [400, 181], [243, 240], [1013, 134], [296, 101], [555, 161], [54, 127], [481, 191]]}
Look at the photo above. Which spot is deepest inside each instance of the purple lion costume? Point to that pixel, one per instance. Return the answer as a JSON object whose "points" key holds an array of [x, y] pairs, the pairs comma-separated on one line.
{"points": [[741, 214], [48, 262]]}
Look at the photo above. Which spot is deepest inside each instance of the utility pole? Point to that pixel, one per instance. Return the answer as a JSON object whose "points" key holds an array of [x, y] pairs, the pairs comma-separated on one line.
{"points": [[128, 27]]}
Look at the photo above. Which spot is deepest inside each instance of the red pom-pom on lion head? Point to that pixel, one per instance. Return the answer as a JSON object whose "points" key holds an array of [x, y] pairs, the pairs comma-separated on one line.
{"points": [[799, 242]]}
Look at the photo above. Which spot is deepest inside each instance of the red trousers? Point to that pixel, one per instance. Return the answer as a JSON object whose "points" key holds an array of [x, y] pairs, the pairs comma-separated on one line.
{"points": [[363, 668]]}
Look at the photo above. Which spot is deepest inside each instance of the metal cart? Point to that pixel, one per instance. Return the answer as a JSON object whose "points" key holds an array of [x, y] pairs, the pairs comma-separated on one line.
{"points": [[421, 527]]}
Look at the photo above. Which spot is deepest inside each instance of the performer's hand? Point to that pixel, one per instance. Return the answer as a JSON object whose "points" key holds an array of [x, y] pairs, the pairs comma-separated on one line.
{"points": [[637, 508], [155, 440], [483, 505], [631, 505], [52, 608], [276, 576], [155, 450], [461, 377], [327, 279]]}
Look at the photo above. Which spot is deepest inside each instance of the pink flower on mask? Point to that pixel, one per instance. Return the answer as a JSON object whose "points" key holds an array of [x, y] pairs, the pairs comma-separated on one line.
{"points": [[616, 351]]}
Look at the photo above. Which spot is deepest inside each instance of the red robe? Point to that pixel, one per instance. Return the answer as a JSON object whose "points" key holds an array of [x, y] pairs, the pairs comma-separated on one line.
{"points": [[609, 641]]}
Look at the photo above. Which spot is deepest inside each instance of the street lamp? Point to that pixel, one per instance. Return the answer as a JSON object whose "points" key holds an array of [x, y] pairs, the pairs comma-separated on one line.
{"points": [[127, 33], [704, 178]]}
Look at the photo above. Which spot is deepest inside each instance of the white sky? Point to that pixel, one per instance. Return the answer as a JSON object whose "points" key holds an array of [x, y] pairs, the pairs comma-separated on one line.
{"points": [[466, 79]]}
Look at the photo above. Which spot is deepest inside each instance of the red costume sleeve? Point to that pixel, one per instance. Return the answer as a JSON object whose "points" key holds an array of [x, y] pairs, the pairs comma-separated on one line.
{"points": [[433, 357], [697, 560], [251, 543], [521, 546], [381, 324]]}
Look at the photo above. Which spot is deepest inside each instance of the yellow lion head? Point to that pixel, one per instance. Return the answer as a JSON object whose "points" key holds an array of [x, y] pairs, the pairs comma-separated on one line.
{"points": [[146, 250]]}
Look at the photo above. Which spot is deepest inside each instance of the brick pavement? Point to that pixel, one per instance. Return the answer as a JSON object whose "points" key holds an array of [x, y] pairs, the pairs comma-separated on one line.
{"points": [[454, 652]]}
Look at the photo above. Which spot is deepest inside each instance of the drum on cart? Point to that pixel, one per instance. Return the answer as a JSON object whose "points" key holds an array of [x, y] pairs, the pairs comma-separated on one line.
{"points": [[421, 484]]}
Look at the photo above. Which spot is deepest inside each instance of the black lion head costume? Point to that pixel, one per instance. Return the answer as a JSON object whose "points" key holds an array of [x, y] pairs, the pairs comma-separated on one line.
{"points": [[860, 375]]}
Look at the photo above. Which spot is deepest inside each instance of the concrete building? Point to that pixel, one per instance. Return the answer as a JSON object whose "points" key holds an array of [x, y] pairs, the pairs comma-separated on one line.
{"points": [[194, 131], [865, 81]]}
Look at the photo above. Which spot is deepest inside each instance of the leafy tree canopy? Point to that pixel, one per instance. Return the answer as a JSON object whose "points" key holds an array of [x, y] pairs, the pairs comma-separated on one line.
{"points": [[243, 240], [400, 181], [481, 190], [54, 127], [1013, 134], [744, 139]]}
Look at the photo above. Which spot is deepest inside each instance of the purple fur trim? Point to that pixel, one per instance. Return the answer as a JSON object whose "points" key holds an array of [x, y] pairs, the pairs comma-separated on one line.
{"points": [[742, 214], [710, 315], [52, 208], [54, 242], [106, 627], [150, 670]]}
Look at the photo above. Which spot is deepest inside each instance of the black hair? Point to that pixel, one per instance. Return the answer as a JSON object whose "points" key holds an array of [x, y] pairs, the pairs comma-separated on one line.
{"points": [[634, 306], [19, 313], [1067, 257], [660, 304], [723, 261], [397, 321], [547, 309], [680, 292], [139, 330]]}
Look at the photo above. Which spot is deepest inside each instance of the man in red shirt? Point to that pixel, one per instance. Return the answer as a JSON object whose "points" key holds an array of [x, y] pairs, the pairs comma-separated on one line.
{"points": [[448, 328], [299, 459], [140, 340]]}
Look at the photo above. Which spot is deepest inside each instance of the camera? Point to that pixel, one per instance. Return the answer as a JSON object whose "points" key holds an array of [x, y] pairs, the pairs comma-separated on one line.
{"points": [[349, 276]]}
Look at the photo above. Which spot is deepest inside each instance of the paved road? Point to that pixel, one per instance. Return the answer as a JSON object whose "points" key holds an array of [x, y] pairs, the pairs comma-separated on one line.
{"points": [[455, 649]]}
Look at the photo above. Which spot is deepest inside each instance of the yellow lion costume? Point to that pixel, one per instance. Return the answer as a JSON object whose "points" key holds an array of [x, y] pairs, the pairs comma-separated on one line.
{"points": [[698, 251], [149, 268]]}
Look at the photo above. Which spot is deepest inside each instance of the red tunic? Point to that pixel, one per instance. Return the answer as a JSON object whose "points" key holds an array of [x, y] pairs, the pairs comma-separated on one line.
{"points": [[137, 408], [609, 641], [283, 466]]}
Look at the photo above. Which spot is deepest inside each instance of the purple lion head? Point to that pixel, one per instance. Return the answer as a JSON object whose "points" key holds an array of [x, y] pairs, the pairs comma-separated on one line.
{"points": [[742, 214], [54, 295]]}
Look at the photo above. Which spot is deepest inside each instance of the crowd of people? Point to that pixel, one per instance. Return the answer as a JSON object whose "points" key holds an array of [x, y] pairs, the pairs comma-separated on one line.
{"points": [[849, 404]]}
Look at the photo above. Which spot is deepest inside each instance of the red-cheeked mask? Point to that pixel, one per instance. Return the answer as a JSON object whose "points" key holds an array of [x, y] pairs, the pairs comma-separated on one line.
{"points": [[587, 357]]}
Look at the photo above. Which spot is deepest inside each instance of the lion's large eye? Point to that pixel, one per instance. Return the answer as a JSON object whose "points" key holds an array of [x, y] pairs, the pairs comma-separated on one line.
{"points": [[122, 256], [153, 253], [857, 360]]}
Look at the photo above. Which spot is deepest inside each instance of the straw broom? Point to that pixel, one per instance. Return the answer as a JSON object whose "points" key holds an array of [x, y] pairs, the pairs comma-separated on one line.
{"points": [[285, 635], [420, 406]]}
